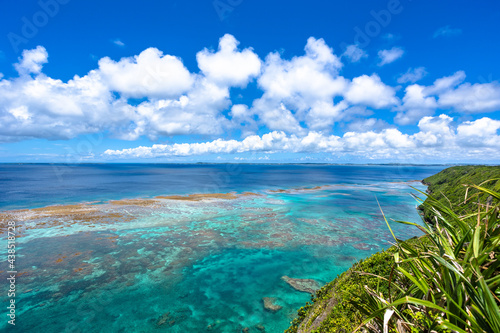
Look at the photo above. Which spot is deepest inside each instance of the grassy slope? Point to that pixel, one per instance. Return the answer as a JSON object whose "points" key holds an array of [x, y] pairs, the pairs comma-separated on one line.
{"points": [[448, 186], [333, 308]]}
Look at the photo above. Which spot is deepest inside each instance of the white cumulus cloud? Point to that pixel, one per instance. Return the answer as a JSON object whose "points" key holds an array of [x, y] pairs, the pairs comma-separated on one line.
{"points": [[437, 138], [32, 61], [412, 75], [416, 104], [118, 42], [371, 91], [391, 55], [150, 74], [229, 66], [295, 90], [446, 83], [484, 131], [472, 98], [303, 99], [448, 93], [447, 31], [354, 53]]}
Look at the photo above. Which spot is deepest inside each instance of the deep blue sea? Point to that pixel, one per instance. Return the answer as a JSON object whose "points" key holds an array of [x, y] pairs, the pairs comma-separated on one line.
{"points": [[37, 185], [98, 251]]}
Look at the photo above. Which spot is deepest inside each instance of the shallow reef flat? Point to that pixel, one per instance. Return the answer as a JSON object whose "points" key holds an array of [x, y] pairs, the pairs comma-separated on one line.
{"points": [[204, 196], [225, 262], [95, 214]]}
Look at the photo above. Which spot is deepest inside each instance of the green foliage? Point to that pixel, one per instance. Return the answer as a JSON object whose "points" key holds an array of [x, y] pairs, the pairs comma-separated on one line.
{"points": [[449, 188], [451, 283], [341, 296]]}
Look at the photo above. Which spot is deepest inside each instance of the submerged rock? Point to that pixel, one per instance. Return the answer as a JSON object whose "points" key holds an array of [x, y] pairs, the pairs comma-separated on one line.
{"points": [[204, 196], [362, 246], [261, 328], [305, 285], [169, 319], [270, 304], [163, 319]]}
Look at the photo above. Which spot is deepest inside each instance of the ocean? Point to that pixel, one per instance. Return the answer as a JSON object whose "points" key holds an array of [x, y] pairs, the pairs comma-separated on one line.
{"points": [[164, 247]]}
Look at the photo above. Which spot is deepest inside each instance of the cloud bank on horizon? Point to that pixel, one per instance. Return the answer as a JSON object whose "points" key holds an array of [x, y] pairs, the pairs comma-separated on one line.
{"points": [[153, 95]]}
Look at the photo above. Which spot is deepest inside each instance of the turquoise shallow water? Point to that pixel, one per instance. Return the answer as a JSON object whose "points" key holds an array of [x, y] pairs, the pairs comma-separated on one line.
{"points": [[182, 266]]}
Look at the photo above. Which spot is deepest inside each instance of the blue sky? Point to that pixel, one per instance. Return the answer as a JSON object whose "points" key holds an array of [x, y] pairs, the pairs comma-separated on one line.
{"points": [[250, 81]]}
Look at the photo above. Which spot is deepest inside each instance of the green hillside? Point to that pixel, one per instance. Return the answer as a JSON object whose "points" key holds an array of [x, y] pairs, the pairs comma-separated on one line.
{"points": [[343, 304], [448, 187]]}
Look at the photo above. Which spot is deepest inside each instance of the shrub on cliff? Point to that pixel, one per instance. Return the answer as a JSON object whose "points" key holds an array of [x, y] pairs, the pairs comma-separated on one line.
{"points": [[449, 187], [450, 284]]}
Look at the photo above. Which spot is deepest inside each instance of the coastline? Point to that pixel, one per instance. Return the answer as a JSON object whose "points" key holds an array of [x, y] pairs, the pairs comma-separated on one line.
{"points": [[336, 306]]}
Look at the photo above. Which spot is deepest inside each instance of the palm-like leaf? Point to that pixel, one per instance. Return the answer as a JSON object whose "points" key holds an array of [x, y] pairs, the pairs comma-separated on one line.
{"points": [[448, 283]]}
